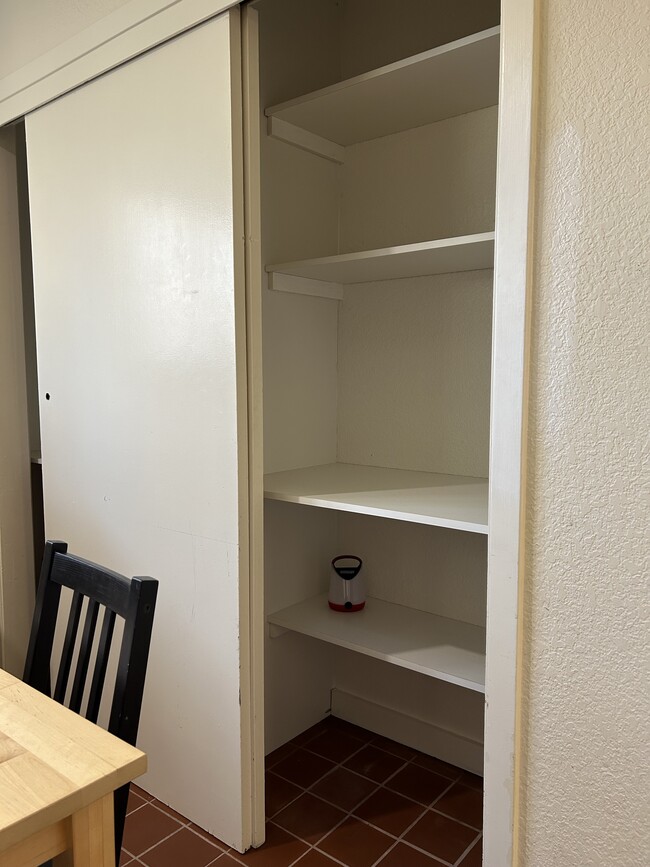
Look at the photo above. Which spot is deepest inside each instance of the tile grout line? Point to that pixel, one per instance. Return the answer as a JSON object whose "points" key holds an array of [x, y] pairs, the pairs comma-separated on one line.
{"points": [[350, 814], [135, 809], [378, 786], [402, 837], [308, 790], [381, 857], [371, 743], [454, 819], [425, 808], [347, 813], [182, 825], [469, 848], [333, 857], [434, 859], [162, 840], [428, 809], [341, 764]]}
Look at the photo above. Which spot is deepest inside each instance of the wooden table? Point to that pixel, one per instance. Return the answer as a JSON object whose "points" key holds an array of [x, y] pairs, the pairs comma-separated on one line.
{"points": [[57, 776]]}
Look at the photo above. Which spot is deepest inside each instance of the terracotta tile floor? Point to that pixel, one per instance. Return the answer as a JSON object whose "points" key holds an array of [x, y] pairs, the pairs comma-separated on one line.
{"points": [[337, 794]]}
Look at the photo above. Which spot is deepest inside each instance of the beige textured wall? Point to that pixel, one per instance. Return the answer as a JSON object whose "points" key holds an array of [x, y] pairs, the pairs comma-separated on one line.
{"points": [[585, 698]]}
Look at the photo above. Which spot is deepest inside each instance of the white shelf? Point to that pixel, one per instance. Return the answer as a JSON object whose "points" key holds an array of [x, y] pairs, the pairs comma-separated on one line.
{"points": [[457, 502], [441, 648], [443, 256], [452, 79]]}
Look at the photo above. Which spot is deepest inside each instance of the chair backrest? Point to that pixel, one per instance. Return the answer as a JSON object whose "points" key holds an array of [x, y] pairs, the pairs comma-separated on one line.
{"points": [[133, 600]]}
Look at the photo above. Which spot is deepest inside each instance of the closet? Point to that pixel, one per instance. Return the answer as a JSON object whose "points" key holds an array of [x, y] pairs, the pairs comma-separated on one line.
{"points": [[378, 160], [263, 244]]}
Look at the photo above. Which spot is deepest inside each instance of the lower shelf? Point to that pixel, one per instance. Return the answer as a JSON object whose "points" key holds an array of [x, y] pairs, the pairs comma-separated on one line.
{"points": [[436, 646]]}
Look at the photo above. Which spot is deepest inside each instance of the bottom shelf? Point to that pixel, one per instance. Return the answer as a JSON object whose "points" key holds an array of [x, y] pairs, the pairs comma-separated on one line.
{"points": [[436, 646]]}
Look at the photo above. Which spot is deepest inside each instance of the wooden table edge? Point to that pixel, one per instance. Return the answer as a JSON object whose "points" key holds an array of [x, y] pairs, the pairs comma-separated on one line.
{"points": [[73, 803]]}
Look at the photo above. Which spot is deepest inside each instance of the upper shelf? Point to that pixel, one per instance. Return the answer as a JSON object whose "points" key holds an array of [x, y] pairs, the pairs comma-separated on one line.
{"points": [[452, 79], [464, 253], [457, 502]]}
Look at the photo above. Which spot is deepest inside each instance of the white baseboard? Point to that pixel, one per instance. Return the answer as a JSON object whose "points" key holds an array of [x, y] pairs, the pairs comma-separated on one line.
{"points": [[417, 733]]}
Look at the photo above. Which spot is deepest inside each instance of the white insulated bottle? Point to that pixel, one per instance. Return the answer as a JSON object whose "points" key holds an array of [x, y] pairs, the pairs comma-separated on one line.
{"points": [[347, 591]]}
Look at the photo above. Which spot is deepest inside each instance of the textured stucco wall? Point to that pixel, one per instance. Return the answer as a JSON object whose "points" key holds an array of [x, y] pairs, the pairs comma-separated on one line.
{"points": [[585, 724]]}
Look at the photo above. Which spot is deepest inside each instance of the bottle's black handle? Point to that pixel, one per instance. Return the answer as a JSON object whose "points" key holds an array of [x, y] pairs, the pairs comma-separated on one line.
{"points": [[347, 572]]}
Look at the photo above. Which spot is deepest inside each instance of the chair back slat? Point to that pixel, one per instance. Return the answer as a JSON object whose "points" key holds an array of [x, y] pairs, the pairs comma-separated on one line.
{"points": [[68, 648], [83, 660], [134, 601], [46, 611], [106, 587], [132, 664], [101, 664]]}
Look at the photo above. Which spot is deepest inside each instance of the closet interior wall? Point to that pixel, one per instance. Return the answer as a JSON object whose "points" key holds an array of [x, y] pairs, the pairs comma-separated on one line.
{"points": [[395, 374]]}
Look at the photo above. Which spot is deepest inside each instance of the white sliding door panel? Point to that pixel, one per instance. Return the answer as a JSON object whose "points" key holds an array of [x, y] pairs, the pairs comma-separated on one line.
{"points": [[137, 205]]}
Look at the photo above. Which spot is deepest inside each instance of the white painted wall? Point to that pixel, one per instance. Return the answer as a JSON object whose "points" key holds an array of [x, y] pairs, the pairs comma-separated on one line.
{"points": [[300, 194], [585, 698], [299, 544], [445, 187], [52, 47], [374, 34], [32, 28], [414, 373]]}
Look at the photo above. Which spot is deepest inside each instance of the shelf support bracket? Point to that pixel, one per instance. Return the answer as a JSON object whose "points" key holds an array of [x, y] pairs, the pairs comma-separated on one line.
{"points": [[276, 631], [304, 286], [306, 141]]}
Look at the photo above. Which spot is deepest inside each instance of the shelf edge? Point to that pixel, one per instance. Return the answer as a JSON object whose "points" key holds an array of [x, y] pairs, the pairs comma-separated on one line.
{"points": [[378, 253], [394, 514], [280, 626], [414, 59]]}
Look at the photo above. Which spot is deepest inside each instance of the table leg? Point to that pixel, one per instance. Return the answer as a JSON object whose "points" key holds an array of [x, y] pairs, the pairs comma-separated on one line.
{"points": [[93, 839]]}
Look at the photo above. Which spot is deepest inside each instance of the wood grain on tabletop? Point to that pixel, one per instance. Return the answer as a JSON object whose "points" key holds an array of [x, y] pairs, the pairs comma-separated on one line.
{"points": [[53, 762]]}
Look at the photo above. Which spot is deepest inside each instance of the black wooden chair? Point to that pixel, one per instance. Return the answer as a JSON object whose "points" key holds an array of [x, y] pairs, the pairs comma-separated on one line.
{"points": [[134, 600]]}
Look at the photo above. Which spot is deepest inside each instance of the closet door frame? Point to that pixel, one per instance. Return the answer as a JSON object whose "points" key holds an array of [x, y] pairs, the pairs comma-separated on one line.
{"points": [[141, 24], [16, 535], [508, 426]]}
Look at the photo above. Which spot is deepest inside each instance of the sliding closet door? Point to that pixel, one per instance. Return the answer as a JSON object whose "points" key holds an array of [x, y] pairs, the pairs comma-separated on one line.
{"points": [[136, 208]]}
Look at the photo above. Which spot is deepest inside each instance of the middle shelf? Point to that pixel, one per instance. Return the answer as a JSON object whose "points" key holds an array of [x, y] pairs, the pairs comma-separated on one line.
{"points": [[446, 649], [457, 502], [442, 256]]}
